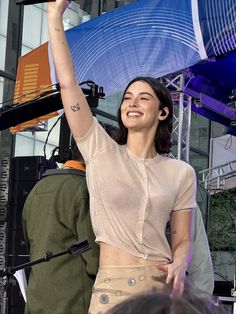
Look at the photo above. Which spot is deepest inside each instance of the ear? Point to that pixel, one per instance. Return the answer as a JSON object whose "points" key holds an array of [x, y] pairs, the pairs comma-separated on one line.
{"points": [[163, 114]]}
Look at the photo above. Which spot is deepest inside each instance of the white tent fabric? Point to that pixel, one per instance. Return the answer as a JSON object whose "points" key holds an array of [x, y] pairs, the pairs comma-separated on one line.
{"points": [[223, 150]]}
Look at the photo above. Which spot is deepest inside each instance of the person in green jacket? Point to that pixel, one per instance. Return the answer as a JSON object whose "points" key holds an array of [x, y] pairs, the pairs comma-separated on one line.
{"points": [[200, 272], [55, 216]]}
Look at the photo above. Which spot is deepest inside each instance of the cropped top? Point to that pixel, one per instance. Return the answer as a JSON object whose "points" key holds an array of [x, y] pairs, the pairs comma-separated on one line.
{"points": [[131, 198]]}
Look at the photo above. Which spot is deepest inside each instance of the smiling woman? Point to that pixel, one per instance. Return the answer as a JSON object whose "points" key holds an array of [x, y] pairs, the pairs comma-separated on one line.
{"points": [[138, 190], [148, 96], [140, 108]]}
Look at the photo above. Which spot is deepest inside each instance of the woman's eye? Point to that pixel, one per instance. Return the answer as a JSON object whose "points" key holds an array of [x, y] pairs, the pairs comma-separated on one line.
{"points": [[143, 98], [126, 98]]}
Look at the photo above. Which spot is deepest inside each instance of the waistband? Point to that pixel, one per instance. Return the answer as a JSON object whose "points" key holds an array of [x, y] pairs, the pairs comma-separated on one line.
{"points": [[128, 266]]}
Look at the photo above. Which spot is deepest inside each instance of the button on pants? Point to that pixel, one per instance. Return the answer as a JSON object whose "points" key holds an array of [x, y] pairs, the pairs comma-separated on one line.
{"points": [[114, 285]]}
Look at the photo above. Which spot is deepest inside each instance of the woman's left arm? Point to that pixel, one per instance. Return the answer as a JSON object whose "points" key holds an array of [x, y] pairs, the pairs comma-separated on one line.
{"points": [[181, 244]]}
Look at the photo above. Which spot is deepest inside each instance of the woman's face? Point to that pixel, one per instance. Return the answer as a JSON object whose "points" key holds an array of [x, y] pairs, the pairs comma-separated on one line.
{"points": [[140, 107]]}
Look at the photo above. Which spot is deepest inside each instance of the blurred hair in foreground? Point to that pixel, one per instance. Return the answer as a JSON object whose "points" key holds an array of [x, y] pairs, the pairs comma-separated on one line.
{"points": [[156, 302]]}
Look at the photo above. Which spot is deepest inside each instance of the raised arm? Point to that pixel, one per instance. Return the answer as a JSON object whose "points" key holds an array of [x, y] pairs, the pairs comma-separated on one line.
{"points": [[75, 104]]}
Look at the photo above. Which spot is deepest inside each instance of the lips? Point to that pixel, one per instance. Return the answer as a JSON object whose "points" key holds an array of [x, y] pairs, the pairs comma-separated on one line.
{"points": [[134, 114]]}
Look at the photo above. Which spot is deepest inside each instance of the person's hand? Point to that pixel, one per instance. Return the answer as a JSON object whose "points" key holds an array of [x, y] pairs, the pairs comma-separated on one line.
{"points": [[176, 273], [58, 7]]}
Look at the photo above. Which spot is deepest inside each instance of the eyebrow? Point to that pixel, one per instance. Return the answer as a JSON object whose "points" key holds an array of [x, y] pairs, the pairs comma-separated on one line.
{"points": [[142, 93]]}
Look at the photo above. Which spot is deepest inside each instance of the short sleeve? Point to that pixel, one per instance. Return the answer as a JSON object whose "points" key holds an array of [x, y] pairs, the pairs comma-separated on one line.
{"points": [[186, 197], [95, 141]]}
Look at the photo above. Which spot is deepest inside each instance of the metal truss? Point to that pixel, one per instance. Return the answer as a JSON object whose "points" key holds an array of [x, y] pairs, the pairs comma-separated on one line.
{"points": [[4, 193], [176, 84], [214, 179], [219, 178]]}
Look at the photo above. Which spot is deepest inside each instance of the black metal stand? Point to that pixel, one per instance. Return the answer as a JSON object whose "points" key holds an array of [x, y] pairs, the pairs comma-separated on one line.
{"points": [[77, 248]]}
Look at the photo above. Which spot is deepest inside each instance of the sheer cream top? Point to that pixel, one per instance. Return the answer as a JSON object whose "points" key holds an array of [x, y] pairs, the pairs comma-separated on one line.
{"points": [[131, 198]]}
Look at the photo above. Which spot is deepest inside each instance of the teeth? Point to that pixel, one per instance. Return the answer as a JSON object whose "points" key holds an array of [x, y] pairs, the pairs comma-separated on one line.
{"points": [[134, 114]]}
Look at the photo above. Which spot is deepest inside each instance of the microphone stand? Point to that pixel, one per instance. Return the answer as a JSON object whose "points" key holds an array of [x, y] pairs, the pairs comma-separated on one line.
{"points": [[77, 248]]}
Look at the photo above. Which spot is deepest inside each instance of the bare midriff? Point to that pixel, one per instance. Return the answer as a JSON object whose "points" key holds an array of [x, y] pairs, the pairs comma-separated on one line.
{"points": [[110, 255]]}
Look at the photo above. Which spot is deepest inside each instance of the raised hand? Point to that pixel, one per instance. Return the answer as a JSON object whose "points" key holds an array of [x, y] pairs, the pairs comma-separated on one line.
{"points": [[58, 7]]}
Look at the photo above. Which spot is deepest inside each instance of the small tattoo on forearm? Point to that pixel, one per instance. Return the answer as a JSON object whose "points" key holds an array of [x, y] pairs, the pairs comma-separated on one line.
{"points": [[75, 108], [57, 29]]}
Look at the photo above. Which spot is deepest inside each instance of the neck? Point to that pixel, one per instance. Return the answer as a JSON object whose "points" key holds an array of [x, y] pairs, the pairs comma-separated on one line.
{"points": [[141, 144]]}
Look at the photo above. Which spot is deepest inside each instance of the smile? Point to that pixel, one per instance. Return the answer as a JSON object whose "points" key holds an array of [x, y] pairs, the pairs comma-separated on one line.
{"points": [[134, 114]]}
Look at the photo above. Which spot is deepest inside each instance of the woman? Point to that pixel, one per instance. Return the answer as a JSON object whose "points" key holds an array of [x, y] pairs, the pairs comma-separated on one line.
{"points": [[134, 190]]}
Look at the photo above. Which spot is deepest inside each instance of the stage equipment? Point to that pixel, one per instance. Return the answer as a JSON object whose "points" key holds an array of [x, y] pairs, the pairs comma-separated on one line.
{"points": [[4, 194], [78, 248], [7, 273], [24, 173], [14, 114]]}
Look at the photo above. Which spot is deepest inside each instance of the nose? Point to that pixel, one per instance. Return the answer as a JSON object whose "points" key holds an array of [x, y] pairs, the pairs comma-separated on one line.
{"points": [[133, 103]]}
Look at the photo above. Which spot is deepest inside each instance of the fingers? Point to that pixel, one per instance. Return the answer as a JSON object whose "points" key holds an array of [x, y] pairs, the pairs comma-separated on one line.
{"points": [[178, 283], [170, 276], [162, 267], [167, 269], [60, 5], [178, 287], [176, 275]]}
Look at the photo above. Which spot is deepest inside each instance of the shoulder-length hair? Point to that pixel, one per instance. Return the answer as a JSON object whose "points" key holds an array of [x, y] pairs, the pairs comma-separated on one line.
{"points": [[163, 133]]}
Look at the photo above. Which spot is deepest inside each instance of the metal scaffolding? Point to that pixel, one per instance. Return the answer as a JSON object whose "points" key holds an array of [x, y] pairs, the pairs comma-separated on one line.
{"points": [[176, 84], [219, 178], [214, 179]]}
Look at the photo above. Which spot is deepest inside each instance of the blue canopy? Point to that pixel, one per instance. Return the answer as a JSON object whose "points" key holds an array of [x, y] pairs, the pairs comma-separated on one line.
{"points": [[147, 37], [159, 37], [150, 38]]}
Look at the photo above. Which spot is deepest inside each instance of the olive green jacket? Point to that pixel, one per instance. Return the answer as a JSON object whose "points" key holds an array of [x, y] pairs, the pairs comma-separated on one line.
{"points": [[55, 215]]}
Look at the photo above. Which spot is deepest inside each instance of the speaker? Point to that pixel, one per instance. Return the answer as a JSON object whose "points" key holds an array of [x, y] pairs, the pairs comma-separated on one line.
{"points": [[15, 300], [29, 168], [25, 172]]}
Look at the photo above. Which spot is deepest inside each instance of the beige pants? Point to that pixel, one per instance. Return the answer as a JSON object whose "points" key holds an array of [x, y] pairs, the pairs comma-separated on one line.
{"points": [[114, 285]]}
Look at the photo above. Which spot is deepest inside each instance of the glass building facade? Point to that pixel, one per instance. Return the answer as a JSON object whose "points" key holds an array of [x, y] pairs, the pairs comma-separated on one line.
{"points": [[33, 32]]}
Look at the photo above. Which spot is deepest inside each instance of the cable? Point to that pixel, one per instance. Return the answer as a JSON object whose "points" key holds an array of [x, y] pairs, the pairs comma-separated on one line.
{"points": [[229, 142], [49, 132], [53, 157], [88, 82]]}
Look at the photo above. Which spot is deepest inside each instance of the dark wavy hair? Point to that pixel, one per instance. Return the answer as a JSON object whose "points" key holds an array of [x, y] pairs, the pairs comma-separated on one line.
{"points": [[161, 302], [163, 133]]}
